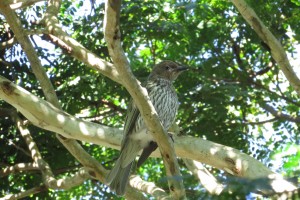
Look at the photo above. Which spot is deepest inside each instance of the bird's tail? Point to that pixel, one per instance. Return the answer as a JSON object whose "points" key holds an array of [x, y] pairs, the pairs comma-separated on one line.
{"points": [[118, 177]]}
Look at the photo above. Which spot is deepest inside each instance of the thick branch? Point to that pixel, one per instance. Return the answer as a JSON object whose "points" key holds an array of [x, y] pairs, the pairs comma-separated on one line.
{"points": [[208, 181], [46, 116], [265, 34], [230, 160], [141, 98]]}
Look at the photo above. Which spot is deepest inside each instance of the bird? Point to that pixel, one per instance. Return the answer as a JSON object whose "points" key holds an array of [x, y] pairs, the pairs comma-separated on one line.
{"points": [[136, 137]]}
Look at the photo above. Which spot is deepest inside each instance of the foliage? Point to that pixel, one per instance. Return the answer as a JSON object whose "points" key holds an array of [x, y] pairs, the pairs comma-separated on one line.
{"points": [[232, 77]]}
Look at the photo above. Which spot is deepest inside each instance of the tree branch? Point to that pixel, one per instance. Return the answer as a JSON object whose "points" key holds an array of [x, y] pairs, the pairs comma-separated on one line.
{"points": [[148, 188], [139, 94], [208, 181], [72, 145], [280, 115], [72, 48], [46, 116], [68, 182], [48, 177], [230, 160], [25, 152], [265, 34], [259, 122], [16, 4], [7, 44], [38, 70], [26, 193], [76, 50], [20, 167]]}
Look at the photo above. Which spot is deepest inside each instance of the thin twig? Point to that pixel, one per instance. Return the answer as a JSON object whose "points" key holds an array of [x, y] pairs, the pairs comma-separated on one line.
{"points": [[280, 115], [26, 193], [20, 167]]}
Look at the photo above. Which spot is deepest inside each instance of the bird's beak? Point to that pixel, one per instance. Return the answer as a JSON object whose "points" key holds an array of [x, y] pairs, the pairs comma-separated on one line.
{"points": [[182, 68]]}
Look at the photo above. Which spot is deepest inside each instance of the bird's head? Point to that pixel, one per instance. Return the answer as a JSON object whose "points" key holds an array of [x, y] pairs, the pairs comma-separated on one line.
{"points": [[168, 70]]}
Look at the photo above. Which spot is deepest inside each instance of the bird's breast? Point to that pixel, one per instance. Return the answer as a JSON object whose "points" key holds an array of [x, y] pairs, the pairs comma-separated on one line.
{"points": [[165, 102]]}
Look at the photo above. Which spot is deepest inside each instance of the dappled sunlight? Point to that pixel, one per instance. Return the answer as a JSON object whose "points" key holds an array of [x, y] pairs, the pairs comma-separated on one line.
{"points": [[92, 59], [214, 150], [61, 118], [231, 152], [44, 108], [16, 5], [277, 184], [72, 118], [60, 182], [100, 132], [34, 98], [31, 145], [83, 128]]}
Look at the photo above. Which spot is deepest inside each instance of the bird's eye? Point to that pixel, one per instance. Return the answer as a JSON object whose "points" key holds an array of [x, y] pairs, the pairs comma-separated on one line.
{"points": [[168, 68]]}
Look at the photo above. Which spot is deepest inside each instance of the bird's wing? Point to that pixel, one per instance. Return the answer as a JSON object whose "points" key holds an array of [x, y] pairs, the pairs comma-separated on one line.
{"points": [[129, 148], [152, 145], [131, 118], [133, 113], [133, 122]]}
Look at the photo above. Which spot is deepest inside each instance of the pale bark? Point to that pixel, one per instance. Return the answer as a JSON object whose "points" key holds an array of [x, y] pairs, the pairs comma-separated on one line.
{"points": [[46, 116], [77, 51], [20, 167], [17, 4], [48, 176], [208, 181], [148, 188], [95, 168], [141, 98]]}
